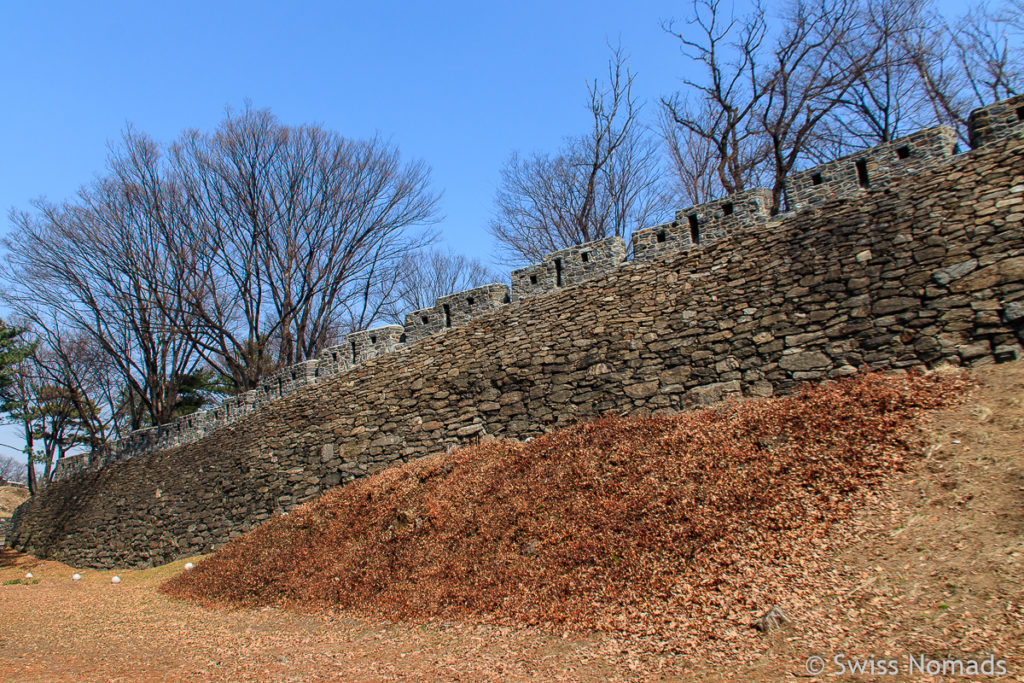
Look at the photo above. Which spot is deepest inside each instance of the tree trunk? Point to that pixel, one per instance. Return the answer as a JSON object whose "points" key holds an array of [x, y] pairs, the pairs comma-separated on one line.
{"points": [[29, 447]]}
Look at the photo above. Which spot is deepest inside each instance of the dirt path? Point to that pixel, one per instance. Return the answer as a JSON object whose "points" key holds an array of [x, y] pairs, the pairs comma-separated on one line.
{"points": [[60, 630], [937, 563]]}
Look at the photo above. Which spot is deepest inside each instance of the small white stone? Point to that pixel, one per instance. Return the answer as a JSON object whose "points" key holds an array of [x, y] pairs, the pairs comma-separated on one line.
{"points": [[76, 577], [189, 566], [116, 579], [29, 575]]}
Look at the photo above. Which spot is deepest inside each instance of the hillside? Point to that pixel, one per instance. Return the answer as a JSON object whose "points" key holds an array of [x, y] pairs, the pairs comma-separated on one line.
{"points": [[670, 529], [930, 560], [10, 498]]}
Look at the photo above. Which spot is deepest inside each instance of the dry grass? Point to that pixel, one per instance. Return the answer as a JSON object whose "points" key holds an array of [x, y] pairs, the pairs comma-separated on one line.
{"points": [[10, 498], [927, 560]]}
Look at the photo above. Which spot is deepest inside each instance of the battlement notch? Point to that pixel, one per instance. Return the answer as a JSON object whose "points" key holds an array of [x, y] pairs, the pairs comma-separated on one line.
{"points": [[568, 267]]}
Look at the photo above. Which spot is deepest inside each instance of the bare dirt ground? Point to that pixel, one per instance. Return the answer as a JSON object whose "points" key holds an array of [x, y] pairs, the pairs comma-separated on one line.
{"points": [[933, 566]]}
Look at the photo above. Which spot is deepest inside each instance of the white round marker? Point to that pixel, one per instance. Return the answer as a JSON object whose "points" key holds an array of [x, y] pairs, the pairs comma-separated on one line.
{"points": [[116, 579], [76, 577]]}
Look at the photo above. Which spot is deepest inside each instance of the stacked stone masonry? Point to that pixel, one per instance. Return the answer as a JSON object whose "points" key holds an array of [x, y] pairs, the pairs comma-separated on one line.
{"points": [[568, 267], [704, 223], [851, 175], [928, 268], [455, 310], [996, 121]]}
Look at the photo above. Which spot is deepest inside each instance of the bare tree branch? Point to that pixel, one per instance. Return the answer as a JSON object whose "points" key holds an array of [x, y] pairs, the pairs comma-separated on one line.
{"points": [[607, 182]]}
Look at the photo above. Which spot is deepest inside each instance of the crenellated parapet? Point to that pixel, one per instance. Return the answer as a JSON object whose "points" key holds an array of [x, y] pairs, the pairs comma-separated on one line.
{"points": [[455, 310], [996, 121], [276, 385], [334, 360], [367, 344], [568, 267], [852, 174], [704, 223], [693, 228]]}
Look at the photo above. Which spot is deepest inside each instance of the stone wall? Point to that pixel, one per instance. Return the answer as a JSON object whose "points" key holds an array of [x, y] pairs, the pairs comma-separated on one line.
{"points": [[455, 310], [568, 267], [704, 223], [996, 121], [848, 176], [691, 228], [926, 268]]}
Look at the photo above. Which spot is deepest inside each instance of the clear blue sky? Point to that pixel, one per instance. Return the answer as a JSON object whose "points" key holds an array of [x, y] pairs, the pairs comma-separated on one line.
{"points": [[459, 84]]}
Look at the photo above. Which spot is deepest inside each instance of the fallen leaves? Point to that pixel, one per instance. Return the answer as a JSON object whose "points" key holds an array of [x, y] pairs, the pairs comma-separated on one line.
{"points": [[671, 530]]}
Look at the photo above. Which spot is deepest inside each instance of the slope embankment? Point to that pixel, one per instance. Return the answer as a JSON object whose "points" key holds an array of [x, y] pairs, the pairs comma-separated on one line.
{"points": [[927, 269], [929, 564], [643, 525]]}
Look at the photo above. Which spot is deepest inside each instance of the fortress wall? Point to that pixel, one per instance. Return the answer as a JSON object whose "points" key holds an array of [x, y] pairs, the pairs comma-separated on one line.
{"points": [[997, 121], [704, 223], [692, 227], [568, 267], [848, 176], [455, 310], [926, 269]]}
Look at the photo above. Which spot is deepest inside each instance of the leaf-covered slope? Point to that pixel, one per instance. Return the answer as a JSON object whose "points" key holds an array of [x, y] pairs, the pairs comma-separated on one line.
{"points": [[634, 524]]}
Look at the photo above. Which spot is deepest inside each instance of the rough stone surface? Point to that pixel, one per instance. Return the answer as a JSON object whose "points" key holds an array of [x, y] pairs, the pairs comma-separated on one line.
{"points": [[751, 313], [454, 310], [851, 175], [703, 223], [568, 267], [946, 275], [996, 121]]}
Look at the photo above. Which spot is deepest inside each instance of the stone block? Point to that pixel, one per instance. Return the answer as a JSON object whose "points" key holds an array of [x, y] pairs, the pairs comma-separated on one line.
{"points": [[704, 223], [367, 344], [850, 175], [568, 267], [996, 121]]}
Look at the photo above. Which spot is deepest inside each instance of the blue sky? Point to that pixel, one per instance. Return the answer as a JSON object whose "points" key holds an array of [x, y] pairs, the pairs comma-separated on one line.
{"points": [[460, 85]]}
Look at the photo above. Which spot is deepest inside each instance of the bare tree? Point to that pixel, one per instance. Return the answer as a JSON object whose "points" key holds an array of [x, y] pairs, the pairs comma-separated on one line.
{"points": [[97, 267], [809, 77], [716, 120], [76, 377], [765, 108], [56, 424], [969, 62], [88, 380], [887, 99], [240, 250], [692, 155], [291, 235], [425, 276], [604, 183], [11, 470]]}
